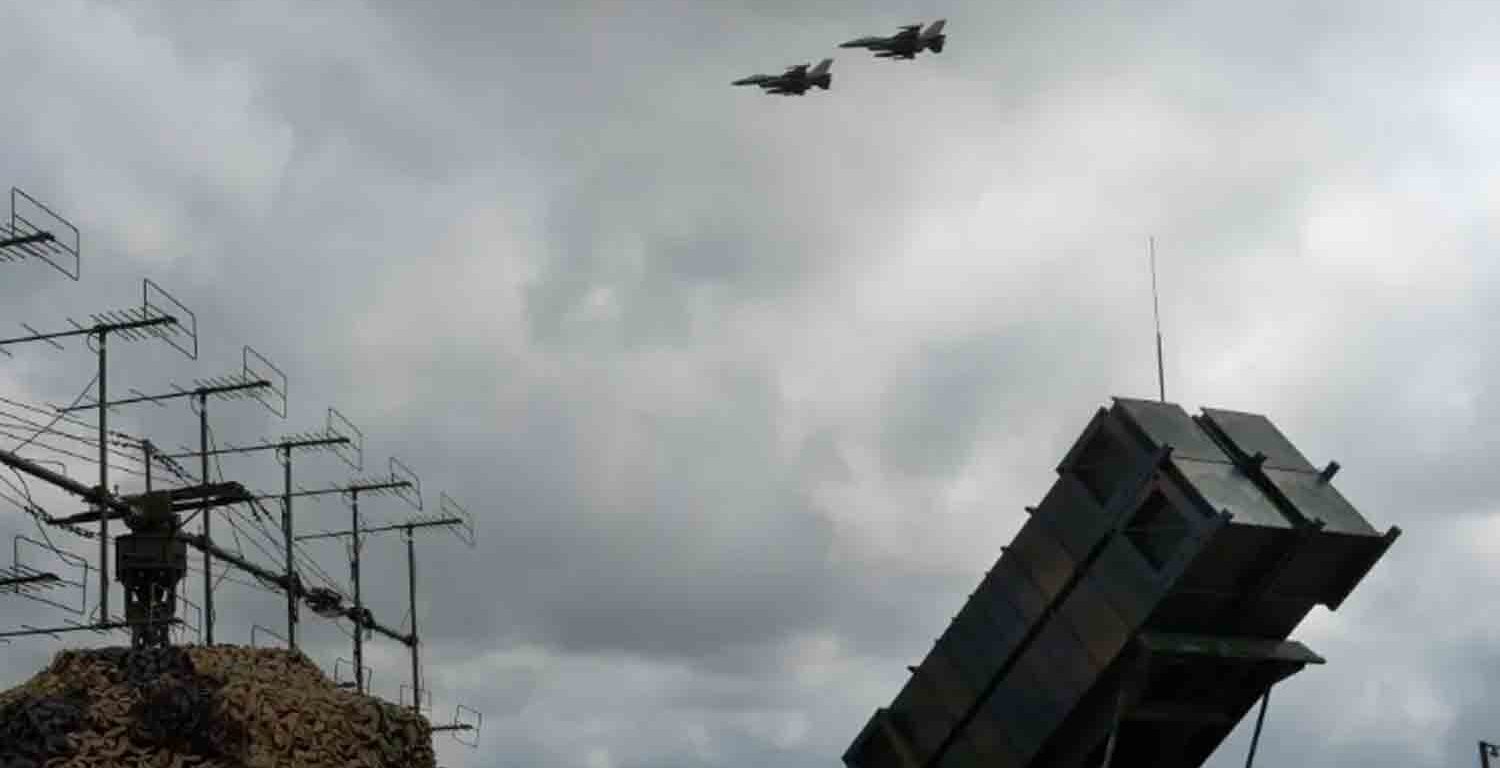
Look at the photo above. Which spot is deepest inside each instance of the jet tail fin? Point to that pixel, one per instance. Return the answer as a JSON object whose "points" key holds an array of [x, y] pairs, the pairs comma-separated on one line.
{"points": [[935, 29], [821, 69]]}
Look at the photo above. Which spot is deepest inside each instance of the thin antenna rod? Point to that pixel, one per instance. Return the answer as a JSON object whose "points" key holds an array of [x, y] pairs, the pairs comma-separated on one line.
{"points": [[1161, 375]]}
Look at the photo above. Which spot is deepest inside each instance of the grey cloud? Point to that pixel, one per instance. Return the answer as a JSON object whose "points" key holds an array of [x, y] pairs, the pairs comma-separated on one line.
{"points": [[651, 495]]}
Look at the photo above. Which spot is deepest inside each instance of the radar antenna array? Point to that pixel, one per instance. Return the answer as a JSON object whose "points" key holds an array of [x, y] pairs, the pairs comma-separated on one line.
{"points": [[35, 231], [41, 572]]}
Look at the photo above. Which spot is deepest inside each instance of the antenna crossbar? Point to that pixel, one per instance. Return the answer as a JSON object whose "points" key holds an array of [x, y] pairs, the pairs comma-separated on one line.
{"points": [[203, 391], [411, 526], [371, 487], [95, 329], [16, 242], [36, 231], [185, 499], [29, 631], [284, 445], [27, 580]]}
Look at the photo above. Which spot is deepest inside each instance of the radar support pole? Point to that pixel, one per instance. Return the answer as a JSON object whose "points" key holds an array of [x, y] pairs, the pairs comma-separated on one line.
{"points": [[208, 558], [1114, 730], [411, 586], [1260, 721], [451, 516], [286, 535], [103, 483], [359, 625]]}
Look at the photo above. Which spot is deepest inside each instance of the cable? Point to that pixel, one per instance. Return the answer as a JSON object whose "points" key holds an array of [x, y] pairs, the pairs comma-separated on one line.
{"points": [[262, 519], [89, 459], [223, 577], [37, 445], [60, 414], [30, 506], [312, 565], [91, 438], [75, 421]]}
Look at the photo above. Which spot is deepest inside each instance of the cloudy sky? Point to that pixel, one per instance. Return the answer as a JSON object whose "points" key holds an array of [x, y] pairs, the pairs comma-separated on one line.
{"points": [[747, 392]]}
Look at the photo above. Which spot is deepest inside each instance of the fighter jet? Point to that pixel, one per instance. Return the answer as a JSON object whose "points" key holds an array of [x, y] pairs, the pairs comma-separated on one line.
{"points": [[795, 81], [906, 44]]}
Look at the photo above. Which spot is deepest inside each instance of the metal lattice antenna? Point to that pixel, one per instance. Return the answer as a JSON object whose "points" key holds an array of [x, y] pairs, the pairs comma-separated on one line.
{"points": [[451, 515], [341, 664], [160, 316], [257, 631], [34, 231], [171, 503], [402, 483], [466, 726], [45, 574], [334, 437], [257, 379], [261, 382], [424, 704]]}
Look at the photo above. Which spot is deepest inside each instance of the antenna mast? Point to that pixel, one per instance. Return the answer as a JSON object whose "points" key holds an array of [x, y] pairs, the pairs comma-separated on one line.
{"points": [[1161, 376]]}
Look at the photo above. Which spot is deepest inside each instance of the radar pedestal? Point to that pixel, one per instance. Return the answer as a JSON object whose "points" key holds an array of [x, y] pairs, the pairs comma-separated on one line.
{"points": [[149, 562]]}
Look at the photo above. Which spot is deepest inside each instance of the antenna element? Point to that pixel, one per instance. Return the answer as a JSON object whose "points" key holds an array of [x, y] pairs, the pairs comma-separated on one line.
{"points": [[1161, 376]]}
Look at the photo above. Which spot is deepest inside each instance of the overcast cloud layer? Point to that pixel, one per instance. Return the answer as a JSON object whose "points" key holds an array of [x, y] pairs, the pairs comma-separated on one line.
{"points": [[747, 392]]}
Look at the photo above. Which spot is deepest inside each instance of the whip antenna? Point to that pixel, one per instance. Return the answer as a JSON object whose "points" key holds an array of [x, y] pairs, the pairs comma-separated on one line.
{"points": [[1161, 376]]}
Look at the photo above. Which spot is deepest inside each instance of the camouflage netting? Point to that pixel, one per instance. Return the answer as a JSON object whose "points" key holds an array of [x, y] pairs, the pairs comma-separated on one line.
{"points": [[221, 706]]}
